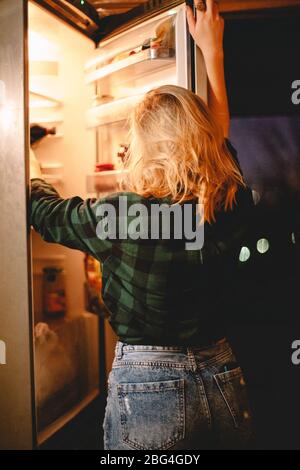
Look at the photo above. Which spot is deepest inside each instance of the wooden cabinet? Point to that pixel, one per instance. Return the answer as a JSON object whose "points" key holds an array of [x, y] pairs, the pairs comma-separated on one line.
{"points": [[234, 5]]}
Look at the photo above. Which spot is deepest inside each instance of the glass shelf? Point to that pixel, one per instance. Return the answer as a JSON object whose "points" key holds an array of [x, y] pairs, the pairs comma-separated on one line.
{"points": [[59, 135], [52, 179], [113, 111], [49, 120], [60, 422], [104, 181], [51, 166], [39, 100], [44, 109], [141, 63]]}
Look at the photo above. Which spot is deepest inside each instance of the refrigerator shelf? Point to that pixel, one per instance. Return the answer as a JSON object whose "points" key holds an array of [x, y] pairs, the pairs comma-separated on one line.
{"points": [[52, 179], [55, 136], [141, 63], [40, 262], [39, 100], [49, 120], [58, 424], [104, 181], [50, 137], [49, 258], [51, 166], [113, 111]]}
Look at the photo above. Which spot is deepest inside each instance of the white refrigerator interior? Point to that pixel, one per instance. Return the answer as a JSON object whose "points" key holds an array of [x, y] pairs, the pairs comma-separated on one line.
{"points": [[66, 348]]}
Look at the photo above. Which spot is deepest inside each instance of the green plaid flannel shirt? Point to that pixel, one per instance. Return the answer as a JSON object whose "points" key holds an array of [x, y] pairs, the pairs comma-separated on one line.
{"points": [[156, 291]]}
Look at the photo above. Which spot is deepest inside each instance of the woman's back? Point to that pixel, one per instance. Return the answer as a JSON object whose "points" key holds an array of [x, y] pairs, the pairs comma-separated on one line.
{"points": [[160, 292], [175, 382]]}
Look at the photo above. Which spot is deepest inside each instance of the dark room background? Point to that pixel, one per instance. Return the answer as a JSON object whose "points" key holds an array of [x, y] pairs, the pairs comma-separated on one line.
{"points": [[262, 62]]}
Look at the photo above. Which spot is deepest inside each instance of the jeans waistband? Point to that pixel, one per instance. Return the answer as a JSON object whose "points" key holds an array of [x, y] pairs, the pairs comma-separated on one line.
{"points": [[205, 355]]}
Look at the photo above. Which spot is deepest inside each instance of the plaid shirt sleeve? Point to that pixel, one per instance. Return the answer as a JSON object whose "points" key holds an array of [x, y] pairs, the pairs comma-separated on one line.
{"points": [[71, 222]]}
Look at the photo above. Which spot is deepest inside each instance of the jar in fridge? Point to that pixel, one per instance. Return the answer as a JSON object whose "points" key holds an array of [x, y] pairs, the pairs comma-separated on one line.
{"points": [[54, 293]]}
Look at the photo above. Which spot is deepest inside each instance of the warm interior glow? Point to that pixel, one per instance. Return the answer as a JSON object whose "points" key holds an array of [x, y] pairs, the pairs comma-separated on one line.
{"points": [[40, 48]]}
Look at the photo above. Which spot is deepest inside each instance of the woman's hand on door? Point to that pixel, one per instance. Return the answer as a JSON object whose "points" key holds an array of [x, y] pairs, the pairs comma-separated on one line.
{"points": [[207, 29]]}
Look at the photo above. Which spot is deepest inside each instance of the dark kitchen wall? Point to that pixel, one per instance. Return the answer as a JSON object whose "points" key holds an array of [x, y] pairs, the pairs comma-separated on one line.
{"points": [[262, 60]]}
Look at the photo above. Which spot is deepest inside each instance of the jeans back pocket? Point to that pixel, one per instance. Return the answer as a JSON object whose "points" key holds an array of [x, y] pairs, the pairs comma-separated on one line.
{"points": [[232, 387], [152, 413]]}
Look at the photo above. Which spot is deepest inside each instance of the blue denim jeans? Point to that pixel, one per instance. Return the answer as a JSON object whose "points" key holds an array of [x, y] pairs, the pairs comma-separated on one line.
{"points": [[162, 397]]}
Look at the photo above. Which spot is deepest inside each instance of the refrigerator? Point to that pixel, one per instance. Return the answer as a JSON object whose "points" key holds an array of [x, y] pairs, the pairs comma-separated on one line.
{"points": [[52, 367]]}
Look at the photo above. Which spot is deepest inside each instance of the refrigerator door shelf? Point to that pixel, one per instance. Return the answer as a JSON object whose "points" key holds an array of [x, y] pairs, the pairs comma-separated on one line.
{"points": [[113, 111], [68, 379], [104, 181], [135, 36], [136, 65]]}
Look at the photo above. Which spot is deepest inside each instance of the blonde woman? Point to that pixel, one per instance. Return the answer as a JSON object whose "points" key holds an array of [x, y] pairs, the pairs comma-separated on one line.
{"points": [[175, 382]]}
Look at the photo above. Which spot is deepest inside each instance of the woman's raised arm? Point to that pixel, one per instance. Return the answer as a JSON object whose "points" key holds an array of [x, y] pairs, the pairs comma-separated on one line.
{"points": [[207, 30]]}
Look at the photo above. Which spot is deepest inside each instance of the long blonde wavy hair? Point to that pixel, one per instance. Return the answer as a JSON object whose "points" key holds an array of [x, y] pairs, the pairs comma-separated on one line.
{"points": [[177, 150]]}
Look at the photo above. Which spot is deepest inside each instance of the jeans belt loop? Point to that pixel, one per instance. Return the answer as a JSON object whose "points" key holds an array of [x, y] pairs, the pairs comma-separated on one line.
{"points": [[191, 359], [119, 350]]}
